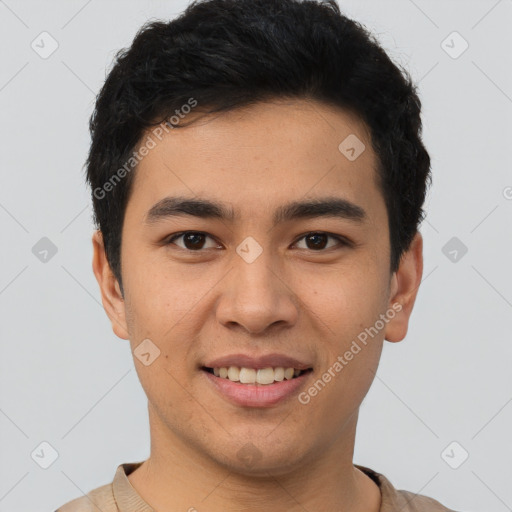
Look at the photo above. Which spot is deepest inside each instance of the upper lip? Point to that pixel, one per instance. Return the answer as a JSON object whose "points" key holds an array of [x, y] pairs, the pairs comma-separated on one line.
{"points": [[257, 362]]}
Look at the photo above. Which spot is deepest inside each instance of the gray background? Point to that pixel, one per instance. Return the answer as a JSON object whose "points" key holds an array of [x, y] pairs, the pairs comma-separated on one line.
{"points": [[66, 379]]}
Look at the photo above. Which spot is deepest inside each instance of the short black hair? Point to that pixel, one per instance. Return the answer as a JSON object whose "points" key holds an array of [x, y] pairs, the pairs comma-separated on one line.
{"points": [[226, 54]]}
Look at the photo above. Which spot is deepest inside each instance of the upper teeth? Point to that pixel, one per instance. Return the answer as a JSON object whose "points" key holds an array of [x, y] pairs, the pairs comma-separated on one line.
{"points": [[253, 376]]}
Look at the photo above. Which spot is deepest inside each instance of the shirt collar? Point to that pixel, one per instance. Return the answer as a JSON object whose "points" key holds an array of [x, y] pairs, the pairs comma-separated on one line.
{"points": [[126, 497], [391, 499]]}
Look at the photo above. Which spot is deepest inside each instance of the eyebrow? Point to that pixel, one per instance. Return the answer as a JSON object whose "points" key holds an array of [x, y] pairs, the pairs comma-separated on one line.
{"points": [[336, 207]]}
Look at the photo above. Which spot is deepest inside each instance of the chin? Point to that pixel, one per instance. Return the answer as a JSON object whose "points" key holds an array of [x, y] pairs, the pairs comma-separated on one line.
{"points": [[261, 459]]}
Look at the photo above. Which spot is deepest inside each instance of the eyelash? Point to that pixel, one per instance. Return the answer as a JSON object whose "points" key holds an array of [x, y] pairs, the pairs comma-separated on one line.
{"points": [[343, 242]]}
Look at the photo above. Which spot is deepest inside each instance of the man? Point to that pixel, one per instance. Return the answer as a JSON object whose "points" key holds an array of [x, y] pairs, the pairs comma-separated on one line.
{"points": [[258, 177]]}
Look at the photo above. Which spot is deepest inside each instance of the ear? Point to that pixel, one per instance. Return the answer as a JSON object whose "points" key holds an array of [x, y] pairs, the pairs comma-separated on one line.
{"points": [[404, 288], [111, 296]]}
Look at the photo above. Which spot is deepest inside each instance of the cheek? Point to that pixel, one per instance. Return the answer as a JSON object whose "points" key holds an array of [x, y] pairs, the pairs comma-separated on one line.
{"points": [[348, 300], [167, 307], [162, 384], [158, 298]]}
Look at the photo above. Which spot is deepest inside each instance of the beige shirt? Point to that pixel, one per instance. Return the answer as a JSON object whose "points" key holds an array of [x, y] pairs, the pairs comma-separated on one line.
{"points": [[120, 496]]}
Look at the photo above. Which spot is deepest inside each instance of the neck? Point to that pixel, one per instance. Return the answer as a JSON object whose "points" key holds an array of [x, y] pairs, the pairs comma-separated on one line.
{"points": [[178, 477]]}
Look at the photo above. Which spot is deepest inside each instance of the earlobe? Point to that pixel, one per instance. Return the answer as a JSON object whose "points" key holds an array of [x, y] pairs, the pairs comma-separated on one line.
{"points": [[404, 289], [111, 295]]}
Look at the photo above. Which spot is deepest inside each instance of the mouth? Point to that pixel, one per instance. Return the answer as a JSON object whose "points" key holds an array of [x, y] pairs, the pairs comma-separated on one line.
{"points": [[256, 376], [256, 387]]}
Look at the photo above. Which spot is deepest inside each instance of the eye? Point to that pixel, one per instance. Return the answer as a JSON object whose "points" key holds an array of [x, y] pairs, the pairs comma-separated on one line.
{"points": [[317, 241], [192, 240], [195, 241]]}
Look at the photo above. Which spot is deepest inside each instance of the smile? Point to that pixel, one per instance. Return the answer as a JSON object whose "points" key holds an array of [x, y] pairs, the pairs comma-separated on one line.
{"points": [[262, 376], [256, 387]]}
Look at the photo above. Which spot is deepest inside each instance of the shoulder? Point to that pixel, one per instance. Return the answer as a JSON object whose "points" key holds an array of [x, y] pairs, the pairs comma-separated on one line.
{"points": [[418, 503], [405, 501], [101, 498]]}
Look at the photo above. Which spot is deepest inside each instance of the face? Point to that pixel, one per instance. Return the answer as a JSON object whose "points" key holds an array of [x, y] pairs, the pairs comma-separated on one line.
{"points": [[287, 267]]}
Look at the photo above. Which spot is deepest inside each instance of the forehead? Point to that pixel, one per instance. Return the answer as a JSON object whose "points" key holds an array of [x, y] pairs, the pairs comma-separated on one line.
{"points": [[264, 154]]}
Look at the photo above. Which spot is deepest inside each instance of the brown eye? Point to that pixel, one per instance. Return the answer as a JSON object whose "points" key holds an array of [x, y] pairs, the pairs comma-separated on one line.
{"points": [[192, 240], [318, 241], [195, 241]]}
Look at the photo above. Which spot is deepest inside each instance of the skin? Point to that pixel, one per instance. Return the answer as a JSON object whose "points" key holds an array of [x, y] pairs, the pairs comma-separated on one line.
{"points": [[293, 299]]}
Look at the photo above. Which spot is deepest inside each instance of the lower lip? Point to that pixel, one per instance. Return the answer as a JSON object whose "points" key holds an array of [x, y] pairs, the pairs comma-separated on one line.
{"points": [[253, 395]]}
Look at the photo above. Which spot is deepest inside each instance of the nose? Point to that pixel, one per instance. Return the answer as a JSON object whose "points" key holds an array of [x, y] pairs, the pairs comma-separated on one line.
{"points": [[257, 296]]}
